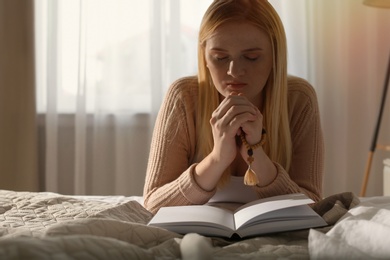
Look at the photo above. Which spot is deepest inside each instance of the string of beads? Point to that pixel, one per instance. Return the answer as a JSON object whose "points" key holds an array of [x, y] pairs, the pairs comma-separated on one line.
{"points": [[250, 177]]}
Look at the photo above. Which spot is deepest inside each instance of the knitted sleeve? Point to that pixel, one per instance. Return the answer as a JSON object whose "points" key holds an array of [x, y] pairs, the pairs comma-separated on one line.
{"points": [[306, 171], [169, 178]]}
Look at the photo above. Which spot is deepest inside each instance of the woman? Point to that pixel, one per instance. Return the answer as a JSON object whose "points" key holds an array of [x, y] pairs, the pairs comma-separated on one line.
{"points": [[242, 115]]}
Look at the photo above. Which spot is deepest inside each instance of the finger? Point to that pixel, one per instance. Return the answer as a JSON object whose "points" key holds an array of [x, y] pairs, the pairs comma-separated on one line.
{"points": [[236, 100], [252, 130], [230, 110], [232, 120], [235, 118]]}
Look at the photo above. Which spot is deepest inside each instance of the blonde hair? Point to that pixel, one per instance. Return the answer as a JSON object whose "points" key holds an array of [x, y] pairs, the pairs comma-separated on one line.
{"points": [[275, 111]]}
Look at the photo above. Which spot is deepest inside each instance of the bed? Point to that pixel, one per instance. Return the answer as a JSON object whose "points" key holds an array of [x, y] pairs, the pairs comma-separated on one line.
{"points": [[44, 225]]}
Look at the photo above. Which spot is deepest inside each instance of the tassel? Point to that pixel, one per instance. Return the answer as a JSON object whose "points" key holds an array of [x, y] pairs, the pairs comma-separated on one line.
{"points": [[250, 177]]}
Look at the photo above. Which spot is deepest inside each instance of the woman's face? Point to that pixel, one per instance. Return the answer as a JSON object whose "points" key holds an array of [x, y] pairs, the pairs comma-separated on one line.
{"points": [[239, 58]]}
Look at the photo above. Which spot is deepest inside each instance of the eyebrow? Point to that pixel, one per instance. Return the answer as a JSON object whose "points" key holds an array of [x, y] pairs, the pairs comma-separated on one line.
{"points": [[246, 50]]}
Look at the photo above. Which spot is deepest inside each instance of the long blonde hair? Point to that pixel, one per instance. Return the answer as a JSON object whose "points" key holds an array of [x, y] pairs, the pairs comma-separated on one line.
{"points": [[275, 111]]}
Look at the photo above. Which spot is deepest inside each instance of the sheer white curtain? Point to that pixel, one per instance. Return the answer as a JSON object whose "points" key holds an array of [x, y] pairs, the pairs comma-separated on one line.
{"points": [[342, 48], [104, 67]]}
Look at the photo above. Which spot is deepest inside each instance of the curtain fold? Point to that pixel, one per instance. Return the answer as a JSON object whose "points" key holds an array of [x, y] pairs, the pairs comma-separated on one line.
{"points": [[18, 140]]}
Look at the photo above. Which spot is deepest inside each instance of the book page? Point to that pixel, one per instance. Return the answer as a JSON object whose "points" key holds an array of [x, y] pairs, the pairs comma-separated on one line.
{"points": [[291, 214], [257, 208], [197, 215], [280, 224]]}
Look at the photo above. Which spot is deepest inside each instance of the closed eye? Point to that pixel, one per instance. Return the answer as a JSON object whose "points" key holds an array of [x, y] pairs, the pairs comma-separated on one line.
{"points": [[221, 58], [251, 57], [219, 55]]}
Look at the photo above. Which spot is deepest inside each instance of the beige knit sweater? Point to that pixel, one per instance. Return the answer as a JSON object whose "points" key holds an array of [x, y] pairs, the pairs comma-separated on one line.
{"points": [[169, 178]]}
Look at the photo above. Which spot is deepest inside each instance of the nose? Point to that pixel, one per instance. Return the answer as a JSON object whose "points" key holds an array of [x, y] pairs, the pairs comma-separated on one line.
{"points": [[235, 69]]}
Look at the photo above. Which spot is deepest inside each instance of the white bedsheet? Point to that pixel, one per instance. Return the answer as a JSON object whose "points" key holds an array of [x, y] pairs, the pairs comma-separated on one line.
{"points": [[362, 233]]}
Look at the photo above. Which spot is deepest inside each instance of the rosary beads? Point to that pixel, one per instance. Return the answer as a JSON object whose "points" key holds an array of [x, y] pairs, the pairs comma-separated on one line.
{"points": [[250, 177]]}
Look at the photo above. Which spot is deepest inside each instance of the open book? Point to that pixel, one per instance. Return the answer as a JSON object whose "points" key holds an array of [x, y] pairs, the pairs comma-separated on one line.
{"points": [[269, 215]]}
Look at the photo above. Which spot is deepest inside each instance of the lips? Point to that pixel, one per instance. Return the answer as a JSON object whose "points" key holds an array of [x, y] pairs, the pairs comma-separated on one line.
{"points": [[235, 85]]}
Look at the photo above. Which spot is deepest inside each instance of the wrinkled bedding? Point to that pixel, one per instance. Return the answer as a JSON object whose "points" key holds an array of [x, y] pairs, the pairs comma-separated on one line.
{"points": [[362, 233], [54, 226]]}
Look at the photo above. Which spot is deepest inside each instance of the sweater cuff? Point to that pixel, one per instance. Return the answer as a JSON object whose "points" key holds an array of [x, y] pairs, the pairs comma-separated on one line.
{"points": [[282, 184], [191, 190]]}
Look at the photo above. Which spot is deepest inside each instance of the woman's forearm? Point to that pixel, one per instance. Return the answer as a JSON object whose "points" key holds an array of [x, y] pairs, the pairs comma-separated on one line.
{"points": [[209, 171]]}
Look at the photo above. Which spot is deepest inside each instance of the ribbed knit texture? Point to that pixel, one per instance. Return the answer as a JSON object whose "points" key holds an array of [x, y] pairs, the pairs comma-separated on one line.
{"points": [[169, 178]]}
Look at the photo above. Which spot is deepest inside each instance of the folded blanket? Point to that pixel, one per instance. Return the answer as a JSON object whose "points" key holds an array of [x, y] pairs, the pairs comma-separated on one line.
{"points": [[332, 208]]}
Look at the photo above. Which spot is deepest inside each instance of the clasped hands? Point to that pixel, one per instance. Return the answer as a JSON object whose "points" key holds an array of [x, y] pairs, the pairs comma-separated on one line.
{"points": [[235, 115]]}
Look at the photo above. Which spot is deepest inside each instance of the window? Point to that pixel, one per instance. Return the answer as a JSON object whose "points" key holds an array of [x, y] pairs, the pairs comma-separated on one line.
{"points": [[113, 56]]}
